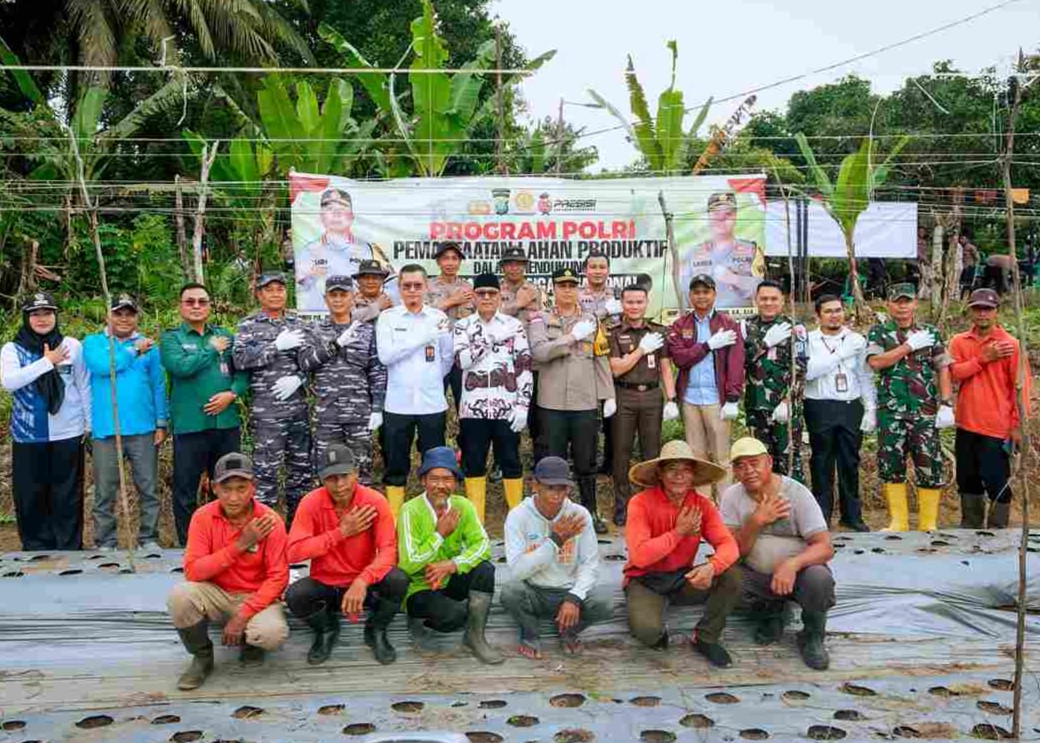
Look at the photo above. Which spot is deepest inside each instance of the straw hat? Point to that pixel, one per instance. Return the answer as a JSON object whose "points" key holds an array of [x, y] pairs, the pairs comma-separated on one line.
{"points": [[645, 474]]}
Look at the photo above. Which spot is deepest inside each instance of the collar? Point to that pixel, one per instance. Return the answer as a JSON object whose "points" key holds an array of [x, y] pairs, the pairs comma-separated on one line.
{"points": [[129, 339], [347, 237], [186, 328], [587, 290], [430, 508], [697, 318], [223, 517], [625, 324], [497, 317], [998, 332], [330, 505]]}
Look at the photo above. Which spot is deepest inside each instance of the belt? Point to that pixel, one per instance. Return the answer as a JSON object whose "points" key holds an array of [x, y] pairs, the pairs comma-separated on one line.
{"points": [[637, 387]]}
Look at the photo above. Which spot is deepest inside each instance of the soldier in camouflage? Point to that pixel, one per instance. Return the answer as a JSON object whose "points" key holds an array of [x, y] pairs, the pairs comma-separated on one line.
{"points": [[349, 380], [772, 395], [915, 399], [268, 345]]}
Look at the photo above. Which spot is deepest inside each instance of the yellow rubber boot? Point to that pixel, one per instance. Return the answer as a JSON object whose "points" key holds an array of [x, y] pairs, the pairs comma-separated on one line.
{"points": [[395, 494], [514, 492], [898, 509], [928, 508], [476, 491]]}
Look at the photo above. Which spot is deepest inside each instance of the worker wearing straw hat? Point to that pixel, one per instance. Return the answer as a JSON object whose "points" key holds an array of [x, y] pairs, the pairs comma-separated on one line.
{"points": [[666, 522]]}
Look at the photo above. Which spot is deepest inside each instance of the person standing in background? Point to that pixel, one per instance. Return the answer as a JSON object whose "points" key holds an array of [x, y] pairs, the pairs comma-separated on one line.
{"points": [[601, 300]]}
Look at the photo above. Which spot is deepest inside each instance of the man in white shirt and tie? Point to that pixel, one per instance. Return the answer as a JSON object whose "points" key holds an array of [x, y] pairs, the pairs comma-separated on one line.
{"points": [[840, 406], [415, 346]]}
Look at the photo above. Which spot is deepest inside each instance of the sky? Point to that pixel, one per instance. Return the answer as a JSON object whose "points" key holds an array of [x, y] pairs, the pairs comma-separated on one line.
{"points": [[726, 48]]}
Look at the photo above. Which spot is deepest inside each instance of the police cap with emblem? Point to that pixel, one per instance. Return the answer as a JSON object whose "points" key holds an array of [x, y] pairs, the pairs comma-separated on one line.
{"points": [[40, 301], [336, 196], [371, 268], [270, 277], [565, 275], [514, 254], [343, 283], [722, 200]]}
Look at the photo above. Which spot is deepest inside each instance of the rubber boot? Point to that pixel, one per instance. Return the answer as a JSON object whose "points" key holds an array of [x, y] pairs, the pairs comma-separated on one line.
{"points": [[770, 624], [476, 491], [514, 491], [375, 630], [999, 515], [476, 624], [587, 491], [251, 656], [326, 626], [898, 508], [196, 641], [928, 508], [395, 496], [810, 640], [973, 510]]}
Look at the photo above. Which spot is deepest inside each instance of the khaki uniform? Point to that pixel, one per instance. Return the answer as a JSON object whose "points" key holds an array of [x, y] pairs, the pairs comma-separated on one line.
{"points": [[438, 290], [367, 310], [523, 314], [595, 303]]}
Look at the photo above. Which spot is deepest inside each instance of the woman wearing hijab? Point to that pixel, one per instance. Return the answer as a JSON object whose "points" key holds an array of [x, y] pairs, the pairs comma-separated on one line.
{"points": [[45, 373]]}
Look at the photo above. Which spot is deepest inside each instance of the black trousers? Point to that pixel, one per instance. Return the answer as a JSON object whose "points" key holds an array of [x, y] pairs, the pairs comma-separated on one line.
{"points": [[534, 421], [47, 480], [572, 432], [607, 425], [398, 433], [193, 454], [983, 466], [307, 596], [835, 439], [477, 436], [445, 610]]}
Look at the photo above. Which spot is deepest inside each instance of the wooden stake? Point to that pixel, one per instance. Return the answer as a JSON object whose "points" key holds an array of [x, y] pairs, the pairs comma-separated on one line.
{"points": [[208, 156], [182, 236]]}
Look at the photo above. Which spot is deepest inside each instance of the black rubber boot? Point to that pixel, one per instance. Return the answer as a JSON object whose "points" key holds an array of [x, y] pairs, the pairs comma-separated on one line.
{"points": [[587, 492], [810, 640], [717, 655], [251, 656], [973, 510], [325, 625], [769, 627], [375, 631], [196, 641], [476, 624], [999, 515]]}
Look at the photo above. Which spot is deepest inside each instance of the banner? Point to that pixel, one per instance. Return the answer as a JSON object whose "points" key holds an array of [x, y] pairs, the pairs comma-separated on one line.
{"points": [[338, 222], [884, 230]]}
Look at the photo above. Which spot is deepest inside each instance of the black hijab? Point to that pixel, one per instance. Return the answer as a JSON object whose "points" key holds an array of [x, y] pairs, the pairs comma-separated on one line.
{"points": [[50, 385]]}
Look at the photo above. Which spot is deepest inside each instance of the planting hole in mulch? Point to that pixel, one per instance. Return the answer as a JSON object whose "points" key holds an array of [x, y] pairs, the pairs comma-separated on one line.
{"points": [[94, 721], [108, 566], [9, 725], [989, 731], [331, 709], [39, 558], [825, 732], [484, 736], [849, 715], [905, 731], [360, 728], [645, 701], [857, 691], [893, 538], [574, 735], [186, 736], [657, 736], [492, 704], [1001, 684], [247, 712], [942, 691], [14, 574], [407, 706], [177, 570], [794, 695], [614, 558], [697, 721], [994, 708], [567, 700], [522, 721], [940, 543], [721, 697], [71, 571], [754, 734], [166, 720]]}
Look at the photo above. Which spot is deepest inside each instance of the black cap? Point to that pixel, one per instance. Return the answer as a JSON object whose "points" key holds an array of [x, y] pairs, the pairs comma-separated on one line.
{"points": [[514, 254], [40, 301], [564, 276], [553, 471], [231, 465], [702, 279], [722, 200], [338, 460], [336, 196], [370, 267], [445, 247], [984, 298], [339, 282], [124, 301], [486, 281], [270, 277]]}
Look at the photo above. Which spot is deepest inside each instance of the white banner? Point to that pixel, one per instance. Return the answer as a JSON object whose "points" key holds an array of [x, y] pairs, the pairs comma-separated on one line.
{"points": [[884, 230]]}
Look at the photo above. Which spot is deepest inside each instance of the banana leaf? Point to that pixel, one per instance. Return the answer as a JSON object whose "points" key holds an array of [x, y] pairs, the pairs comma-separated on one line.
{"points": [[643, 127]]}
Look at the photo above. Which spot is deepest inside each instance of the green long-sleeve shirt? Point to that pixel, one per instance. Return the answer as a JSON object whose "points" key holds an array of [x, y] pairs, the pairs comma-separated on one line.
{"points": [[197, 372]]}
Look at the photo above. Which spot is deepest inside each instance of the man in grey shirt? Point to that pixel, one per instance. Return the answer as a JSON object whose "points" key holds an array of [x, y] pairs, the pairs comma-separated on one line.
{"points": [[784, 547]]}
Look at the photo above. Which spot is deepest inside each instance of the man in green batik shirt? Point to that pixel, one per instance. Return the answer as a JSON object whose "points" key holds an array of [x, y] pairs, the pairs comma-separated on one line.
{"points": [[915, 399]]}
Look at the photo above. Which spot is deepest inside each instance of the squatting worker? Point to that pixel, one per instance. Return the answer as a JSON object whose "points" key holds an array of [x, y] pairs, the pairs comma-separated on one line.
{"points": [[705, 345], [236, 570], [598, 298], [50, 414], [915, 399], [414, 343], [574, 376], [347, 532], [444, 550], [349, 379], [986, 364], [666, 523], [522, 299], [371, 299], [453, 296], [785, 547], [840, 406], [141, 401], [553, 559], [269, 345], [204, 387], [639, 363], [492, 353]]}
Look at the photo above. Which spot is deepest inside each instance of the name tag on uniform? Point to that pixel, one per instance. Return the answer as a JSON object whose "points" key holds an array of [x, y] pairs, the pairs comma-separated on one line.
{"points": [[651, 361], [687, 333], [431, 354], [189, 346], [841, 382]]}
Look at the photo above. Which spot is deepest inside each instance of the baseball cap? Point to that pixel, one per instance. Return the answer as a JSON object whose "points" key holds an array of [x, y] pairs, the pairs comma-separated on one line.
{"points": [[338, 460], [486, 281], [703, 279], [984, 298], [722, 200], [513, 254], [370, 267], [747, 447], [339, 282], [124, 301], [565, 276], [904, 290], [40, 301], [231, 465], [553, 471], [440, 457], [270, 277]]}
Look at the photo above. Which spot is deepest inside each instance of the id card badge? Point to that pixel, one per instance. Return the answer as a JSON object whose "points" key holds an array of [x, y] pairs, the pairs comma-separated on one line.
{"points": [[771, 353], [841, 382], [431, 354], [651, 361]]}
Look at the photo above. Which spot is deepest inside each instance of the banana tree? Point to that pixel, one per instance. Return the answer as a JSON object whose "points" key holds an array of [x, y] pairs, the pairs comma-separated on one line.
{"points": [[846, 198], [661, 140]]}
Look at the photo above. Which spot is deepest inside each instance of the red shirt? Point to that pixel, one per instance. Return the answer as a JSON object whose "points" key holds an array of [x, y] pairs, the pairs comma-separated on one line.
{"points": [[654, 546], [212, 556], [986, 398], [337, 560]]}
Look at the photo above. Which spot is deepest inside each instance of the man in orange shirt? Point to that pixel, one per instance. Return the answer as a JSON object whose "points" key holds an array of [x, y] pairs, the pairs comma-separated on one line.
{"points": [[985, 364], [348, 533], [236, 570], [666, 522]]}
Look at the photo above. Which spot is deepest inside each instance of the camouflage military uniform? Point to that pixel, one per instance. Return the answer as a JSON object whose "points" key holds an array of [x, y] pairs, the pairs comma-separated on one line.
{"points": [[281, 428], [350, 385], [768, 382], [908, 399]]}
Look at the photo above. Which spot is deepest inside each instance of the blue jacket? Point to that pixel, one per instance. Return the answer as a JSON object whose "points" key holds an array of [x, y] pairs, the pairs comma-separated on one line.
{"points": [[140, 387]]}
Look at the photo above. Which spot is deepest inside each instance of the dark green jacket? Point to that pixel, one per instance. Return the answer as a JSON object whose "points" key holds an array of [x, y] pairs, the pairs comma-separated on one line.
{"points": [[197, 372]]}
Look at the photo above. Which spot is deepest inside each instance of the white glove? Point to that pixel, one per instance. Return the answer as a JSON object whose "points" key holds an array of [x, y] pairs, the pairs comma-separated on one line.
{"points": [[729, 411], [609, 407], [781, 413], [869, 422], [920, 339], [284, 388], [671, 411], [778, 334], [612, 307], [650, 343], [944, 418], [347, 335], [518, 420], [289, 339], [375, 421], [722, 339], [583, 329]]}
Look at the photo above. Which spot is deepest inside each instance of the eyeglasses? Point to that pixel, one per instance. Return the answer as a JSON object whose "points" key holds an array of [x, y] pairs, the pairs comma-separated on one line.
{"points": [[192, 302]]}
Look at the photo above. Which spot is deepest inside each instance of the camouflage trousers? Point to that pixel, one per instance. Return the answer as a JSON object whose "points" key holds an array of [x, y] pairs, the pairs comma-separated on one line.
{"points": [[336, 428], [779, 438], [284, 441], [914, 438]]}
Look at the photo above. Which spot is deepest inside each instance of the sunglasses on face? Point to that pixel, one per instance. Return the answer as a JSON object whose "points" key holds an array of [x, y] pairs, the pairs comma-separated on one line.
{"points": [[191, 302]]}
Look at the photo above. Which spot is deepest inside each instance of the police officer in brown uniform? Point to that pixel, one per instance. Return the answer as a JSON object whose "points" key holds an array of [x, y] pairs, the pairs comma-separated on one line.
{"points": [[574, 376], [598, 298], [638, 361]]}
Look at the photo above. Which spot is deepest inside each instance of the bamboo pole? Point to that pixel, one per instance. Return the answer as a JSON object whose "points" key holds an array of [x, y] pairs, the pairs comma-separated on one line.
{"points": [[792, 412]]}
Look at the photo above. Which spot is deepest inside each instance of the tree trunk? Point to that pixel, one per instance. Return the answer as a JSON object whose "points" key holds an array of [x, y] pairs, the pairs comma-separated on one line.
{"points": [[200, 214], [862, 310], [27, 277], [182, 235], [937, 265]]}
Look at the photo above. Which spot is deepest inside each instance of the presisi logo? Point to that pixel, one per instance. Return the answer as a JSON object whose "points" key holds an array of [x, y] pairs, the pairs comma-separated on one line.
{"points": [[574, 205]]}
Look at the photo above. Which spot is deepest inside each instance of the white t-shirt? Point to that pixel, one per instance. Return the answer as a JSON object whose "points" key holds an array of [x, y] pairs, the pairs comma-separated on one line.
{"points": [[781, 539]]}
